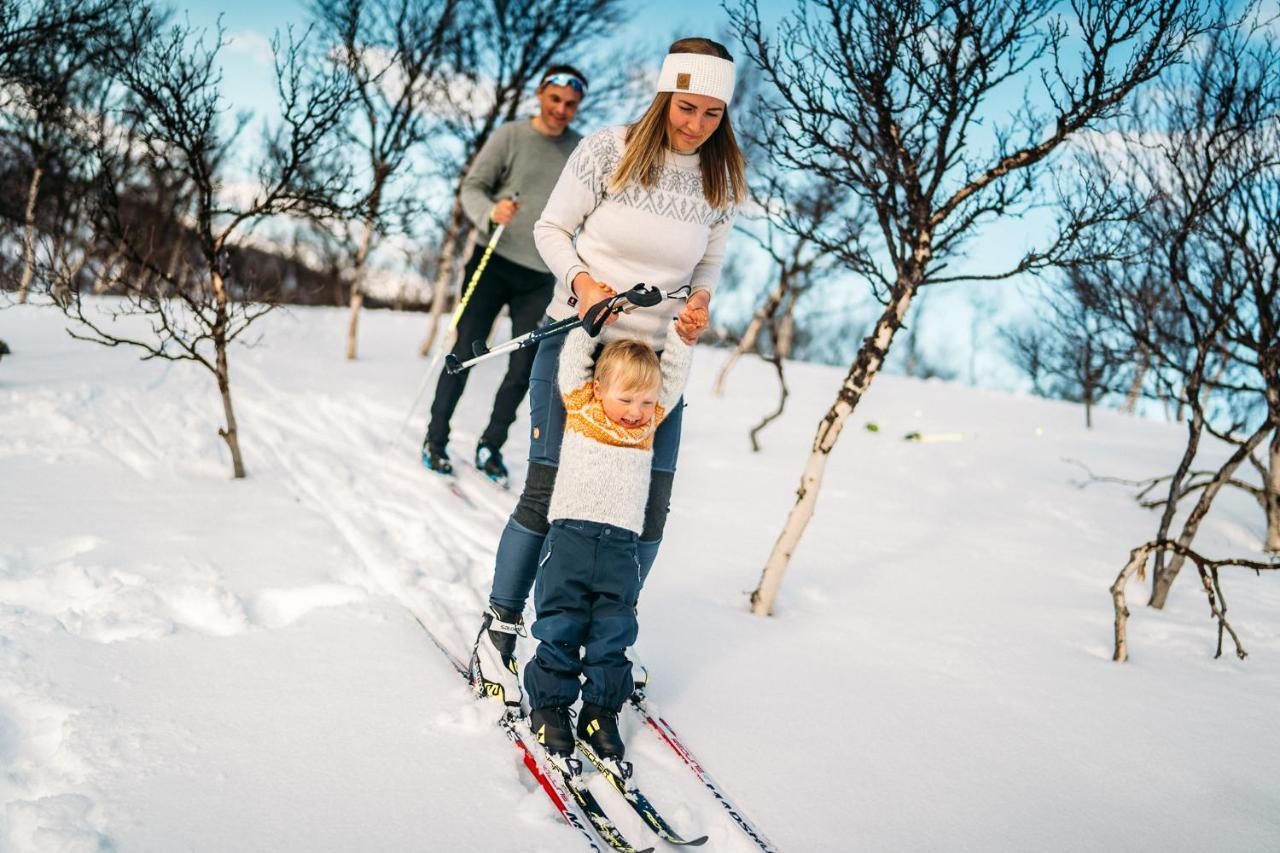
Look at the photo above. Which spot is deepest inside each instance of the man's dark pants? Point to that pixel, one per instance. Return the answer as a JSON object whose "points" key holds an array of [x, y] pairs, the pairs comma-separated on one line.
{"points": [[526, 292]]}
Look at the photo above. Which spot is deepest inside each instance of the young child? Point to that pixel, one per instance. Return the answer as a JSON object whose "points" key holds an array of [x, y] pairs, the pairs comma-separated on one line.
{"points": [[589, 569]]}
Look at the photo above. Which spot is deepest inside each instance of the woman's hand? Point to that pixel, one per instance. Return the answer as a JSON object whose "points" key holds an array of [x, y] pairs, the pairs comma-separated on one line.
{"points": [[589, 292], [695, 318]]}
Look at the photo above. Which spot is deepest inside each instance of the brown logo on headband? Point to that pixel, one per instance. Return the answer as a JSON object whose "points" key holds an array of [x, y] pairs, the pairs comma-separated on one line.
{"points": [[682, 81]]}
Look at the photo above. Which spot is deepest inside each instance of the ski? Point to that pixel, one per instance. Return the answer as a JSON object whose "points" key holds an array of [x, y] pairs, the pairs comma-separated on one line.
{"points": [[668, 736], [553, 792], [563, 787], [455, 487], [590, 806], [458, 493], [619, 778]]}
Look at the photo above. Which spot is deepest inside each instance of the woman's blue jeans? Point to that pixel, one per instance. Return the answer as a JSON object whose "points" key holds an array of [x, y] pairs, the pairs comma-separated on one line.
{"points": [[516, 565]]}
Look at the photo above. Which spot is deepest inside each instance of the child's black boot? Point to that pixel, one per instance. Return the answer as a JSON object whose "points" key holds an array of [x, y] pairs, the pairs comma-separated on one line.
{"points": [[553, 728], [599, 728]]}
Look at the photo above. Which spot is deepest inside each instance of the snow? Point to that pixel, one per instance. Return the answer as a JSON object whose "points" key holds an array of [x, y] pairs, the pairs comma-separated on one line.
{"points": [[193, 663]]}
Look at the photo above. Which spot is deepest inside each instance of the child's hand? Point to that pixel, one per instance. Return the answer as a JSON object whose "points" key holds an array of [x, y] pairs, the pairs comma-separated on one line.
{"points": [[695, 317]]}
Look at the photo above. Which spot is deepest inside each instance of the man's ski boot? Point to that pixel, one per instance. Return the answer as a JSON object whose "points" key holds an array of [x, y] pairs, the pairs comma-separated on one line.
{"points": [[489, 461], [494, 670], [554, 730], [599, 728], [436, 459]]}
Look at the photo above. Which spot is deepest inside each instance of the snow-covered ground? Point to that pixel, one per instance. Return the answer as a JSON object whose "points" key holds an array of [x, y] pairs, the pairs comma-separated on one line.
{"points": [[189, 663]]}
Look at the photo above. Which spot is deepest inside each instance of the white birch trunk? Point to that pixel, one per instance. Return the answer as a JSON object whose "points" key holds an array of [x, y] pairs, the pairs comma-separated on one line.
{"points": [[1163, 580], [751, 335], [1272, 495], [230, 433], [448, 262], [357, 287], [29, 236], [869, 361], [746, 345], [1137, 559], [1135, 390]]}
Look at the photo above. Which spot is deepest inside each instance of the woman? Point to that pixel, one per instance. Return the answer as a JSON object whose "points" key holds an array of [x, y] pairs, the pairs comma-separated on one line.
{"points": [[651, 202]]}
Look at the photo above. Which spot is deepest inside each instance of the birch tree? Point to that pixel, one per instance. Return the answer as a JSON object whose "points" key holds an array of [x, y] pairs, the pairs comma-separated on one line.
{"points": [[1204, 153], [898, 103], [397, 54], [47, 120], [179, 227]]}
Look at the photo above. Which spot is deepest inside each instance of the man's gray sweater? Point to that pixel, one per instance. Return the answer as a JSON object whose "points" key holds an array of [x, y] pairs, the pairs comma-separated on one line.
{"points": [[516, 159]]}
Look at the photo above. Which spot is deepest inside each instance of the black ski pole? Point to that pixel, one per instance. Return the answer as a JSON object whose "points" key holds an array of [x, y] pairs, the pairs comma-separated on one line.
{"points": [[640, 296]]}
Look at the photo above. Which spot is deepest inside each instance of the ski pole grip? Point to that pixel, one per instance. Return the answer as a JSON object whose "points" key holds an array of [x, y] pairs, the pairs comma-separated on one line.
{"points": [[643, 296], [593, 321]]}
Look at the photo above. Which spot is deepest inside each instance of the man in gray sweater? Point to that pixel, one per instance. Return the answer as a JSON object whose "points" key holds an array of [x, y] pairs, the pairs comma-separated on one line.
{"points": [[526, 157]]}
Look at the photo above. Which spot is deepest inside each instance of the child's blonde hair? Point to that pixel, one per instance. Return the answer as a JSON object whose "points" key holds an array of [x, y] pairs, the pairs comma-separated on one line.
{"points": [[632, 365]]}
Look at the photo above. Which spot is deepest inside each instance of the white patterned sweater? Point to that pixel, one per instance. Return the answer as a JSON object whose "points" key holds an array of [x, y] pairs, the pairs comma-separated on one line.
{"points": [[667, 236], [604, 466]]}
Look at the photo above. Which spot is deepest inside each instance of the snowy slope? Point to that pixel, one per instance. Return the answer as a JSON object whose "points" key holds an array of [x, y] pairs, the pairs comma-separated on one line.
{"points": [[190, 663]]}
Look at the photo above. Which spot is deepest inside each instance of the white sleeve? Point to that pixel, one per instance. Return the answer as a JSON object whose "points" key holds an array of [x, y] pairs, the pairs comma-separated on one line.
{"points": [[677, 356], [576, 366], [706, 273]]}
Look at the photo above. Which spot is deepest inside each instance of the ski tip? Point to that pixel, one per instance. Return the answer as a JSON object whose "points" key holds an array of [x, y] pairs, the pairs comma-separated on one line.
{"points": [[697, 842]]}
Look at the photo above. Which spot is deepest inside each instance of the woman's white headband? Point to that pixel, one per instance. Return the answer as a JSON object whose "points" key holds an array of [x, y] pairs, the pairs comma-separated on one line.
{"points": [[697, 74]]}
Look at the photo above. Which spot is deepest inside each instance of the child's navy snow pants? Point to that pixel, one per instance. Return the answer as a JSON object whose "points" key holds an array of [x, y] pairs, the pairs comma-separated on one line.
{"points": [[585, 595]]}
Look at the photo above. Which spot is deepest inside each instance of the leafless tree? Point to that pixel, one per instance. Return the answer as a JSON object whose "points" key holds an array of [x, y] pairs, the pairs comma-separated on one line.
{"points": [[1203, 153], [28, 26], [504, 47], [46, 124], [164, 202], [1073, 351], [895, 102], [798, 264], [1209, 580], [398, 53]]}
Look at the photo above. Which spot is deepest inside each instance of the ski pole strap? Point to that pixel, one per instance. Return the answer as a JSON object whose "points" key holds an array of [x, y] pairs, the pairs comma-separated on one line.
{"points": [[640, 296]]}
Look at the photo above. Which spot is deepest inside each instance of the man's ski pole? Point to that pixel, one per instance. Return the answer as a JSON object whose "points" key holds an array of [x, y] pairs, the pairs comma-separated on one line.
{"points": [[451, 335], [640, 296]]}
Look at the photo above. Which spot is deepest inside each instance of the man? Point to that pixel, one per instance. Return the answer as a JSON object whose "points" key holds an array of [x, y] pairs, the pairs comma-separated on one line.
{"points": [[523, 157]]}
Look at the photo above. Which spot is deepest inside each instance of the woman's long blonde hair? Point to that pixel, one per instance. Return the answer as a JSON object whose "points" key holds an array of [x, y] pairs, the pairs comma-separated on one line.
{"points": [[721, 161]]}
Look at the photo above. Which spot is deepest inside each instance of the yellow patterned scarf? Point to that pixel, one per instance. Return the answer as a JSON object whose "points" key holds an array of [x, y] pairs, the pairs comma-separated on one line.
{"points": [[584, 414]]}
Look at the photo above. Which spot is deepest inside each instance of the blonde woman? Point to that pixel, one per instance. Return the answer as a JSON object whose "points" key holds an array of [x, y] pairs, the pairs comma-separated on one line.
{"points": [[649, 202]]}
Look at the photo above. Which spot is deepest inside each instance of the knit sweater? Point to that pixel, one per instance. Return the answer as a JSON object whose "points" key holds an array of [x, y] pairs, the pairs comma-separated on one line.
{"points": [[667, 236], [604, 466], [515, 159]]}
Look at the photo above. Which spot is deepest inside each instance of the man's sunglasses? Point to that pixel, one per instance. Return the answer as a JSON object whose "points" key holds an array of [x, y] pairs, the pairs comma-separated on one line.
{"points": [[564, 79]]}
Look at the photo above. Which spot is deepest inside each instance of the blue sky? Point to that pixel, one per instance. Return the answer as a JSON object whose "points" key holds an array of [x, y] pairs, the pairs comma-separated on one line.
{"points": [[249, 84]]}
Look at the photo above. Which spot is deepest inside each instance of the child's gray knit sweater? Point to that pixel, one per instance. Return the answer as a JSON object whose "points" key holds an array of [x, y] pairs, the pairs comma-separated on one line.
{"points": [[604, 466]]}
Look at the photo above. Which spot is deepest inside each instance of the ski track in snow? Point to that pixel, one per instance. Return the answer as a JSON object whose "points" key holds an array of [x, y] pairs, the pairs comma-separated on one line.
{"points": [[374, 502], [439, 572]]}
